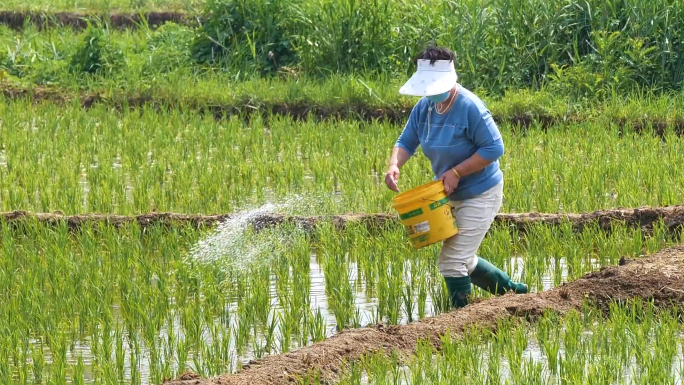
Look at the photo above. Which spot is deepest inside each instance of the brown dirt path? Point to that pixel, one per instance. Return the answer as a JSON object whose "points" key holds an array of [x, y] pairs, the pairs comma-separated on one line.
{"points": [[658, 278], [76, 20], [645, 217]]}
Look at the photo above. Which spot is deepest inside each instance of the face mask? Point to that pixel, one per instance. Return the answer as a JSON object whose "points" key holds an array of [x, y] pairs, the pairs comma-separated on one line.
{"points": [[439, 98]]}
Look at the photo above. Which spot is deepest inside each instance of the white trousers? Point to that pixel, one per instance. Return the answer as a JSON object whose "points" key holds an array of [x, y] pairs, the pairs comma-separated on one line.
{"points": [[473, 217]]}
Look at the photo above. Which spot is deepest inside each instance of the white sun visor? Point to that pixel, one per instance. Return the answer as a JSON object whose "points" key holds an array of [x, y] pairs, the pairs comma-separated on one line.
{"points": [[431, 79]]}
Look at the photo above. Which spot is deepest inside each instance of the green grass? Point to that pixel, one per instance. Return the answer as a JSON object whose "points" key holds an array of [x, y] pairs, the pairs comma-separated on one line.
{"points": [[578, 50], [77, 161], [137, 306], [632, 344]]}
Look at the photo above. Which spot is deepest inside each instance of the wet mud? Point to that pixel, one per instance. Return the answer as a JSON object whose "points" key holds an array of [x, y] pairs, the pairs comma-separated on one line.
{"points": [[645, 218], [658, 278]]}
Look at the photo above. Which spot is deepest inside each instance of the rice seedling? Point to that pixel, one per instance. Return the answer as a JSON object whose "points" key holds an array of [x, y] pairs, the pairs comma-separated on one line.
{"points": [[549, 339]]}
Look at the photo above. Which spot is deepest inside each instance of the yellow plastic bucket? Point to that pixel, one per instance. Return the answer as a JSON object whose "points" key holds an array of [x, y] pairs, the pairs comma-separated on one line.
{"points": [[426, 214]]}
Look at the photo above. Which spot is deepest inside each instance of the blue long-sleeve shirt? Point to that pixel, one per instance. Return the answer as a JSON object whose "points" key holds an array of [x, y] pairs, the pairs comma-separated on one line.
{"points": [[467, 128]]}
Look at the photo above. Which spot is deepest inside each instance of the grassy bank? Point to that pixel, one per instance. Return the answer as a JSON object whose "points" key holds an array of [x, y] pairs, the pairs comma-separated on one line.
{"points": [[352, 98], [158, 68]]}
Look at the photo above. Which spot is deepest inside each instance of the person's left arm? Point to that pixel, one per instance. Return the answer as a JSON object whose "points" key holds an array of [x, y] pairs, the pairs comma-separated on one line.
{"points": [[482, 130]]}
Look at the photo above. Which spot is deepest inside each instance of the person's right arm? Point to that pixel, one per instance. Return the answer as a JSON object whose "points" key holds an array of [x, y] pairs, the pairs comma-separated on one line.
{"points": [[398, 159], [406, 146]]}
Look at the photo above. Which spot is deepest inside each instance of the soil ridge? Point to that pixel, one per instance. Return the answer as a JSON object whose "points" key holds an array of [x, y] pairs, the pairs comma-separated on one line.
{"points": [[643, 217]]}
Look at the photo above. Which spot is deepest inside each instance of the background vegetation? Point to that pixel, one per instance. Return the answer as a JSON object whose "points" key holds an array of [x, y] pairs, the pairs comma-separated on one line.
{"points": [[584, 49]]}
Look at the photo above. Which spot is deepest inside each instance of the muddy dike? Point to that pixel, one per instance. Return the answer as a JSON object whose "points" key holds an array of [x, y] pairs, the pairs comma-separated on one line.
{"points": [[75, 20], [645, 218], [658, 278]]}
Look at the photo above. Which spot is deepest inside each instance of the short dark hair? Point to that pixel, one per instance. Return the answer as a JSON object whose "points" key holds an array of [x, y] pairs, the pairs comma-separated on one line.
{"points": [[434, 53]]}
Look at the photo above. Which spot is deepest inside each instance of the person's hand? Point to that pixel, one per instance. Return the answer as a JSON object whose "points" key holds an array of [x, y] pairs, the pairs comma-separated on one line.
{"points": [[450, 181], [392, 177]]}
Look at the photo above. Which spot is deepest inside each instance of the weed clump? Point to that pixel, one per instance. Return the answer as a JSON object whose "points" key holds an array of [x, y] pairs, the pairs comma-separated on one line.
{"points": [[245, 32], [169, 48], [96, 53]]}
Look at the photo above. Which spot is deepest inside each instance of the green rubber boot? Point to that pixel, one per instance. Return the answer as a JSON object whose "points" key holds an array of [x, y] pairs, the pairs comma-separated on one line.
{"points": [[459, 290], [495, 281]]}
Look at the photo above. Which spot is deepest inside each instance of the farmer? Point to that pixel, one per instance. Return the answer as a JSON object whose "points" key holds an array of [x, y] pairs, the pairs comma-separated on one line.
{"points": [[459, 136]]}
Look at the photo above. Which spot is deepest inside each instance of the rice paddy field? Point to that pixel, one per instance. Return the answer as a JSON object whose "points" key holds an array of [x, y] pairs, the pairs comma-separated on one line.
{"points": [[265, 110], [141, 161]]}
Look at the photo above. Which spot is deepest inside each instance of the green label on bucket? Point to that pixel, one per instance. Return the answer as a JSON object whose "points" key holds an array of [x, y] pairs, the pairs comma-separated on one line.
{"points": [[420, 239], [439, 203], [411, 214]]}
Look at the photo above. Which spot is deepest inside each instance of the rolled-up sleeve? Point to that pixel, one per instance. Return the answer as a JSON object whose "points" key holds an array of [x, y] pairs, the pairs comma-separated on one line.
{"points": [[409, 140], [486, 136]]}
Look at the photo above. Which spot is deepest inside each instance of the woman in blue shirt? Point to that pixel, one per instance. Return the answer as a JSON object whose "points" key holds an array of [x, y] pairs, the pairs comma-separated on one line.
{"points": [[458, 134]]}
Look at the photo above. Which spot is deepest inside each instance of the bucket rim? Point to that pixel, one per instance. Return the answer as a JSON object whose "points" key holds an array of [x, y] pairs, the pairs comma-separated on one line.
{"points": [[418, 193]]}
